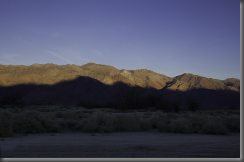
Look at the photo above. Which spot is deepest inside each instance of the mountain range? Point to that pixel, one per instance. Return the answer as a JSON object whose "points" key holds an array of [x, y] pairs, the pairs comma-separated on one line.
{"points": [[69, 83]]}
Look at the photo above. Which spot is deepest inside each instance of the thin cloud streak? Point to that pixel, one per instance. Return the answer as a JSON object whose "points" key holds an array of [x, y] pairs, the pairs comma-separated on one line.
{"points": [[85, 60], [73, 54], [63, 54], [8, 58], [59, 56], [98, 53]]}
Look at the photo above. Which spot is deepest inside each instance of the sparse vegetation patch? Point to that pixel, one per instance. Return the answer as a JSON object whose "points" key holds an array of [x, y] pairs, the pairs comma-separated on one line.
{"points": [[5, 124], [214, 127], [35, 120]]}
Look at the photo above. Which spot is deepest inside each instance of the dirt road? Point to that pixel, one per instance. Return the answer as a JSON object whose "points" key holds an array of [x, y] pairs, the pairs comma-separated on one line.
{"points": [[152, 144]]}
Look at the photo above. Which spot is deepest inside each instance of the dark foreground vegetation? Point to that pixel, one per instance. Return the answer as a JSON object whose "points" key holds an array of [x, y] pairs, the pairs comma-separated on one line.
{"points": [[122, 114], [56, 118]]}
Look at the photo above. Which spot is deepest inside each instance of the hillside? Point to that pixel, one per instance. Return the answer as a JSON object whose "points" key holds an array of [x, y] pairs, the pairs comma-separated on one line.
{"points": [[187, 82], [69, 83], [51, 74]]}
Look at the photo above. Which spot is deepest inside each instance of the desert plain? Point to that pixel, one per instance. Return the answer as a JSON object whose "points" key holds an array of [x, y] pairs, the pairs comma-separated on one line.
{"points": [[152, 143]]}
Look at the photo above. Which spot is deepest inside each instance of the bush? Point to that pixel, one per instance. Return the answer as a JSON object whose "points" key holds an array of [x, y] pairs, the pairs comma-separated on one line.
{"points": [[171, 116], [193, 104], [214, 127], [126, 123], [232, 123], [146, 125], [59, 114], [62, 124], [107, 127], [197, 122], [71, 123], [70, 115], [180, 125], [50, 126], [97, 122], [162, 126], [99, 116], [81, 114], [79, 126], [34, 122], [5, 125], [64, 107], [88, 111], [156, 119], [147, 114], [90, 127], [6, 113], [15, 110], [105, 122], [27, 125]]}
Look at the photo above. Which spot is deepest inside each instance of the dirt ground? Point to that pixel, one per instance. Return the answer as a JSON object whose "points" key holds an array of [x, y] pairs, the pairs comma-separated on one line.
{"points": [[150, 144]]}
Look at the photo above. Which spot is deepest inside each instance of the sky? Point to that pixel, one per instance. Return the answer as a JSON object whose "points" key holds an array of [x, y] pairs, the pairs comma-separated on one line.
{"points": [[170, 37]]}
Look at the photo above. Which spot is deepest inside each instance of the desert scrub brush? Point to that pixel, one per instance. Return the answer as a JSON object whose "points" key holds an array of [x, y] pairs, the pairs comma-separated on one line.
{"points": [[5, 126], [181, 125], [59, 114], [79, 126], [33, 122], [146, 125], [103, 121], [197, 122], [127, 123], [162, 126], [232, 123], [89, 126], [71, 123], [71, 115], [6, 113], [213, 126], [156, 119], [50, 126]]}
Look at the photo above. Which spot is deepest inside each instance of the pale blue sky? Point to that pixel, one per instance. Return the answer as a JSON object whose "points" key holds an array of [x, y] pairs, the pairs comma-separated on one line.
{"points": [[170, 37]]}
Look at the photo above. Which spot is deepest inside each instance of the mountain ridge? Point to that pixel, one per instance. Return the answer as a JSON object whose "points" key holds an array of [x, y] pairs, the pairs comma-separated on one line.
{"points": [[51, 74], [67, 84]]}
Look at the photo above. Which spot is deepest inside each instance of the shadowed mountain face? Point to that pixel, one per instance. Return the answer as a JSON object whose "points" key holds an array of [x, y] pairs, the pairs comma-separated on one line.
{"points": [[70, 83]]}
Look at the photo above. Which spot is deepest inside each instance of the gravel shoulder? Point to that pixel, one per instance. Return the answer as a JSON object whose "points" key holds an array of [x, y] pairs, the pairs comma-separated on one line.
{"points": [[150, 144]]}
